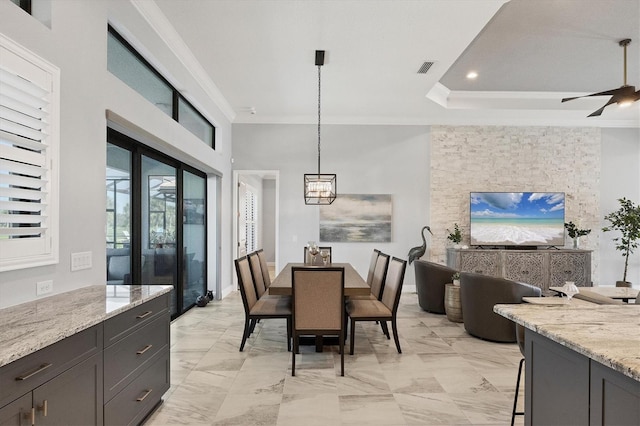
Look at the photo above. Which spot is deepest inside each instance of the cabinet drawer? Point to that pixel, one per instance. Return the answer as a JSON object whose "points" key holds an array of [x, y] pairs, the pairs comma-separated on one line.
{"points": [[25, 374], [135, 401], [17, 412], [119, 326], [123, 359]]}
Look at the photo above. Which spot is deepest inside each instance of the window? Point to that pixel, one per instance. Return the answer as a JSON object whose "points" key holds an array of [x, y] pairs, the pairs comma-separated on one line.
{"points": [[29, 105], [128, 65], [23, 4]]}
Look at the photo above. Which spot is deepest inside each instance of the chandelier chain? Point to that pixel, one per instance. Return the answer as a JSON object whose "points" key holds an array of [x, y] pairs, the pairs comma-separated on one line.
{"points": [[319, 80]]}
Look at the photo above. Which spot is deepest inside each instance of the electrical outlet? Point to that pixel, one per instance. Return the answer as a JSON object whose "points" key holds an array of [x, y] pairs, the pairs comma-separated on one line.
{"points": [[44, 287]]}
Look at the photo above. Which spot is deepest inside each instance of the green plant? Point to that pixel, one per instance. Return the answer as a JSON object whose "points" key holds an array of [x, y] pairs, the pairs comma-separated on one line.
{"points": [[456, 235], [574, 232], [455, 276], [626, 220]]}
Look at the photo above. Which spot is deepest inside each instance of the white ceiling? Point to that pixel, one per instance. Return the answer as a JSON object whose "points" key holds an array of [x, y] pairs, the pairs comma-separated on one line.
{"points": [[529, 53]]}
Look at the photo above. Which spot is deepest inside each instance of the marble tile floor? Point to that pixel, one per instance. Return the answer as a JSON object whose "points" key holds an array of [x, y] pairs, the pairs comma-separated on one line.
{"points": [[443, 376]]}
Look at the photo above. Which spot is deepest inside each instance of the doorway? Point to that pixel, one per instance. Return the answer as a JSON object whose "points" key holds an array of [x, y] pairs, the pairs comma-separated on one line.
{"points": [[256, 218]]}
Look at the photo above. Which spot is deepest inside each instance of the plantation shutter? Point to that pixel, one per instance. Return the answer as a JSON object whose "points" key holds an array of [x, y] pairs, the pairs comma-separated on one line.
{"points": [[28, 127]]}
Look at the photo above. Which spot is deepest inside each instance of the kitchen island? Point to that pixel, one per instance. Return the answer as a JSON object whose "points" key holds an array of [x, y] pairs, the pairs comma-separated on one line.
{"points": [[582, 363], [95, 355]]}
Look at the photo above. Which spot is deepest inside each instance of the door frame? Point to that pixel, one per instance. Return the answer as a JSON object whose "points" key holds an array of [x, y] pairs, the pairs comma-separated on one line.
{"points": [[262, 174]]}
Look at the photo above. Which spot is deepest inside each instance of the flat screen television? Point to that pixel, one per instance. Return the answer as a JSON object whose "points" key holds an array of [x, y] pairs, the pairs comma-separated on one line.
{"points": [[517, 218]]}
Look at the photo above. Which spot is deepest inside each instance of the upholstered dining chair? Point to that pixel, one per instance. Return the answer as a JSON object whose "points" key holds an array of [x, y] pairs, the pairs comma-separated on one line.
{"points": [[264, 267], [259, 308], [318, 306], [308, 259], [382, 310], [377, 277], [372, 265], [256, 272]]}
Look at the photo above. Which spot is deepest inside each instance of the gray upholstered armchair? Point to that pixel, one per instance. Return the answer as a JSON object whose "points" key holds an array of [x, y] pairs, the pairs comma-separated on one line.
{"points": [[479, 293], [430, 282]]}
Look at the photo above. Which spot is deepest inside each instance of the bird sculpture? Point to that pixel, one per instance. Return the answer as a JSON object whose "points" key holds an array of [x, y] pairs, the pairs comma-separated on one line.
{"points": [[418, 252]]}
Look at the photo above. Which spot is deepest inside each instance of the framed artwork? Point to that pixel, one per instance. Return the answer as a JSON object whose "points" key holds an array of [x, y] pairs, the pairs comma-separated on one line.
{"points": [[357, 218]]}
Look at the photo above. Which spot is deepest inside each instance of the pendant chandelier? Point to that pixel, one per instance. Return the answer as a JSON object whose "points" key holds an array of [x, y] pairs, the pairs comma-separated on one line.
{"points": [[319, 188]]}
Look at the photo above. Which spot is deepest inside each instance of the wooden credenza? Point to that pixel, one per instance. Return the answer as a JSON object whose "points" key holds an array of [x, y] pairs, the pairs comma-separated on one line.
{"points": [[542, 268]]}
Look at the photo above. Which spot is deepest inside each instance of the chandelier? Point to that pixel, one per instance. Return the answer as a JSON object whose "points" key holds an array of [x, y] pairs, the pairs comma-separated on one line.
{"points": [[319, 188]]}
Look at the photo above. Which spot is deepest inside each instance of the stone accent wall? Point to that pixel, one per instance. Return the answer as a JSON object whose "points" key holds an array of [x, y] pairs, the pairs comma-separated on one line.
{"points": [[468, 159]]}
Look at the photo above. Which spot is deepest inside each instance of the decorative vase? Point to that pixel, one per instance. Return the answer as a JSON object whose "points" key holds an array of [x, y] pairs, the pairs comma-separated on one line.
{"points": [[576, 243]]}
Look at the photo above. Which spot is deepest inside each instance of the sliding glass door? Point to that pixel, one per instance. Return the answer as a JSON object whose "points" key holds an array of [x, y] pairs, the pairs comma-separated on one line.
{"points": [[156, 221]]}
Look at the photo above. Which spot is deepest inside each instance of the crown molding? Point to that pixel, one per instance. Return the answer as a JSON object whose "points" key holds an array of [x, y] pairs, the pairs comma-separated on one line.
{"points": [[150, 11]]}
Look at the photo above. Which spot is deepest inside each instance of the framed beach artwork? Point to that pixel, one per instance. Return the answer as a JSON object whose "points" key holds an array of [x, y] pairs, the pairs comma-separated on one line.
{"points": [[357, 218]]}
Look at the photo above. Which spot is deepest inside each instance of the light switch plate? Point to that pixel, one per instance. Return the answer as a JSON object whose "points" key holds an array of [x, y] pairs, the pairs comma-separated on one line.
{"points": [[81, 261]]}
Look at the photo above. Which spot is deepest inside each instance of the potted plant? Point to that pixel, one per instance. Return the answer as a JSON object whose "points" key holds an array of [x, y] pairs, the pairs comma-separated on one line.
{"points": [[456, 278], [575, 233], [626, 220], [455, 236]]}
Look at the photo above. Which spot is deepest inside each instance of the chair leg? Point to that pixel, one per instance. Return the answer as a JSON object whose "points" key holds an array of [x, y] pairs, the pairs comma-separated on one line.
{"points": [[353, 335], [342, 353], [293, 355], [253, 325], [515, 397], [247, 321], [289, 333], [385, 329], [394, 327]]}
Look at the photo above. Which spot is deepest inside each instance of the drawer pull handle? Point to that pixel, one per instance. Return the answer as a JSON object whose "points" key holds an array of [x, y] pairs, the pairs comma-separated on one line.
{"points": [[43, 408], [146, 394], [146, 314], [146, 348], [34, 372], [30, 416]]}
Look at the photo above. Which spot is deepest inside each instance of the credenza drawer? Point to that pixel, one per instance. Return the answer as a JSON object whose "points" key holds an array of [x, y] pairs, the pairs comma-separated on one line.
{"points": [[25, 374], [133, 403], [122, 360], [127, 322]]}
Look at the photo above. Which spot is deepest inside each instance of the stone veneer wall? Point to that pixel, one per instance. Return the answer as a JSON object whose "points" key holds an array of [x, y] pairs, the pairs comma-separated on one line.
{"points": [[467, 159]]}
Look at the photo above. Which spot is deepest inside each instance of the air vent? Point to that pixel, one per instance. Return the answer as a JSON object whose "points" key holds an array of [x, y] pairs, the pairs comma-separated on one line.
{"points": [[425, 67]]}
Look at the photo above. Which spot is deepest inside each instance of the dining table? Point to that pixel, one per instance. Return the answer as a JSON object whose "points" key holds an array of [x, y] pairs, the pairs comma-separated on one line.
{"points": [[354, 285]]}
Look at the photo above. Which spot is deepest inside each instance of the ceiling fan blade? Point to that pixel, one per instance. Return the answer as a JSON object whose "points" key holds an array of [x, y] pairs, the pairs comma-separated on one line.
{"points": [[598, 112], [605, 93]]}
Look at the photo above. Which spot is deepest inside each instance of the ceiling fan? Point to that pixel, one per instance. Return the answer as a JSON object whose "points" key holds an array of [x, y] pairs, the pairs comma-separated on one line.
{"points": [[623, 96]]}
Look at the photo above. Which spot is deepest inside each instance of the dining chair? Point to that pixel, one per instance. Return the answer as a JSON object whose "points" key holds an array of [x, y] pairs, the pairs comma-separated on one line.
{"points": [[308, 258], [372, 265], [259, 308], [376, 283], [382, 310], [256, 272], [265, 268], [318, 306]]}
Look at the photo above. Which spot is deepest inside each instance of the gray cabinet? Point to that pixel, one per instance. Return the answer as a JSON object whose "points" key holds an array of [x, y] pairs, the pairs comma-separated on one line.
{"points": [[136, 361], [60, 384], [564, 387], [113, 373], [542, 268]]}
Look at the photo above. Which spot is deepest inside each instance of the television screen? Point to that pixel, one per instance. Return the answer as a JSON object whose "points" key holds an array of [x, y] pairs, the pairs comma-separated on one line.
{"points": [[517, 218]]}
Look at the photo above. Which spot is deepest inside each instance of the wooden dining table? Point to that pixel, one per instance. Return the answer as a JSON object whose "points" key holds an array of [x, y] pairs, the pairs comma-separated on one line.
{"points": [[354, 285]]}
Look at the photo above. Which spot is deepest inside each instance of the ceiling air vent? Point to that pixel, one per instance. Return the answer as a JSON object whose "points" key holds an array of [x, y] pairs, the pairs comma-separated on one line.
{"points": [[425, 67]]}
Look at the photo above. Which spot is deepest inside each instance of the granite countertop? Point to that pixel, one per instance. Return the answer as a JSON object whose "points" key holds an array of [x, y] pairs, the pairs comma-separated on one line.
{"points": [[608, 334], [31, 326]]}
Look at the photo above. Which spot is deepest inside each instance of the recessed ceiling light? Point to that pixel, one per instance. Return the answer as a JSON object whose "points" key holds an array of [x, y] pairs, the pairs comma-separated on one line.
{"points": [[472, 75]]}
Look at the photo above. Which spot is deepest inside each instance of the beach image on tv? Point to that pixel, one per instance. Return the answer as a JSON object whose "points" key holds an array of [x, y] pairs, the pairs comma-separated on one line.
{"points": [[517, 218]]}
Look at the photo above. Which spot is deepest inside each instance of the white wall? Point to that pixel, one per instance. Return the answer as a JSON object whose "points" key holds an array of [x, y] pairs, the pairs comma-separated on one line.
{"points": [[367, 160], [76, 43], [620, 178]]}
